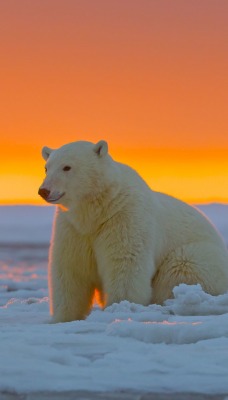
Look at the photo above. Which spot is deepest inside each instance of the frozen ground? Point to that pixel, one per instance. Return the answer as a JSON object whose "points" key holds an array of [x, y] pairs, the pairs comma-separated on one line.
{"points": [[179, 347]]}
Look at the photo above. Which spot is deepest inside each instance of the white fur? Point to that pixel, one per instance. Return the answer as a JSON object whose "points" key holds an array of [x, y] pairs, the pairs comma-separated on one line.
{"points": [[114, 234]]}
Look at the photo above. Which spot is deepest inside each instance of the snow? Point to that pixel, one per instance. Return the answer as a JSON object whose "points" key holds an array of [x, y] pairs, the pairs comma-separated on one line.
{"points": [[178, 347]]}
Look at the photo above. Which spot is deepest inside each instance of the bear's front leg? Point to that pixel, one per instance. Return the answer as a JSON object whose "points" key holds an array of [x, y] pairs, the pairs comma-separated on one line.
{"points": [[70, 281], [70, 297], [125, 264]]}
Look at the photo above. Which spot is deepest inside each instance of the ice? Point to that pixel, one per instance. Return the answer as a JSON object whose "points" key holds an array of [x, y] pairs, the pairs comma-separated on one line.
{"points": [[25, 224], [181, 346], [32, 224], [126, 346], [218, 215]]}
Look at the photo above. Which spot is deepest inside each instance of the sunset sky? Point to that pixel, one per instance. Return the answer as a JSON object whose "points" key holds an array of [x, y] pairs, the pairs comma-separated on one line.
{"points": [[148, 76]]}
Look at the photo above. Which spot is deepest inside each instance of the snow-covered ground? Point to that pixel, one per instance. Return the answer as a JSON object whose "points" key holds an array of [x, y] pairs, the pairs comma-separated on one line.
{"points": [[181, 346]]}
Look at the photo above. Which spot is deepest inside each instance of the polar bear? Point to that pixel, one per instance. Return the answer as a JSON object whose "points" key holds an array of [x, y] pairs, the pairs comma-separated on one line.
{"points": [[115, 235]]}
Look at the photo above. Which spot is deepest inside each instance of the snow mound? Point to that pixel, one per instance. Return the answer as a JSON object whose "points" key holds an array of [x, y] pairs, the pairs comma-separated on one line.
{"points": [[192, 300]]}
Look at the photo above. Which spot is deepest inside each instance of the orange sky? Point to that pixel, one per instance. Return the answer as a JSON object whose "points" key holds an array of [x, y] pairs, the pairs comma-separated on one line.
{"points": [[148, 76]]}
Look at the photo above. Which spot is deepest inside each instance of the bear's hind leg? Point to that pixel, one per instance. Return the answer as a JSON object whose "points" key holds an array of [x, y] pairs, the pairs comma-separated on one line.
{"points": [[203, 263]]}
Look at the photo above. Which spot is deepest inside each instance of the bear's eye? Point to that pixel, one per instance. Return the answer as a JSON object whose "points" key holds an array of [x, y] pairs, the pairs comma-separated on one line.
{"points": [[66, 168]]}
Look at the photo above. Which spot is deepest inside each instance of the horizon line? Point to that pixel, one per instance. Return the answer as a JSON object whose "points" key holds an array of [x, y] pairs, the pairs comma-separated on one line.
{"points": [[38, 203]]}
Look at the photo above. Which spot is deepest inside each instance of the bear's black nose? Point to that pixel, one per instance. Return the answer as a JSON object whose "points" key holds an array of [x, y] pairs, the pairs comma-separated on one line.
{"points": [[44, 193]]}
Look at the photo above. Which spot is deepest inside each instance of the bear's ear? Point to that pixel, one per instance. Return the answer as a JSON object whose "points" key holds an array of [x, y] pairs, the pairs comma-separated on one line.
{"points": [[46, 151], [101, 148]]}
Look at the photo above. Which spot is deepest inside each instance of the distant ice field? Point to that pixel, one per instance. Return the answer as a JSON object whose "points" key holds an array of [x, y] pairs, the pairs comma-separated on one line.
{"points": [[32, 224]]}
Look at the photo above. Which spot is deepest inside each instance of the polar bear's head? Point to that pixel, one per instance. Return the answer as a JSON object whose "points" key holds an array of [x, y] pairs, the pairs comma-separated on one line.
{"points": [[74, 171]]}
